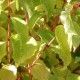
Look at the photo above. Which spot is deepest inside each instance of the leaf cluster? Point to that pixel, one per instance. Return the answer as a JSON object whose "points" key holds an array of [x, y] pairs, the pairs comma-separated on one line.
{"points": [[31, 23]]}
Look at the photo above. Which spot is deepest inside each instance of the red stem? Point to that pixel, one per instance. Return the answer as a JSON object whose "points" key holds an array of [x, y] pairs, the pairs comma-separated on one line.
{"points": [[64, 4], [19, 78], [8, 43], [29, 71], [75, 8], [45, 48], [29, 66], [55, 22], [27, 17], [57, 18]]}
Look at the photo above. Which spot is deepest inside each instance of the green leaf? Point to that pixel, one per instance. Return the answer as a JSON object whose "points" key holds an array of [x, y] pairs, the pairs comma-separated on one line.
{"points": [[53, 77], [58, 71], [76, 41], [17, 5], [59, 4], [45, 34], [26, 77], [62, 39], [59, 78], [36, 2], [21, 28], [0, 6], [40, 71], [78, 20], [17, 56], [77, 59], [77, 28], [53, 60], [23, 45], [67, 22], [40, 8], [4, 4], [73, 77], [31, 47], [49, 6], [74, 65], [2, 50], [3, 32], [13, 6], [21, 50], [28, 6], [3, 17], [33, 20], [9, 72]]}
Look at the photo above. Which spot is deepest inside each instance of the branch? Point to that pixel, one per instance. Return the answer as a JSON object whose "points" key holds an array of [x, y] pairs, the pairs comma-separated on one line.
{"points": [[64, 4], [29, 66], [55, 22], [8, 43], [45, 48], [57, 18], [29, 71], [27, 17], [19, 78], [75, 8]]}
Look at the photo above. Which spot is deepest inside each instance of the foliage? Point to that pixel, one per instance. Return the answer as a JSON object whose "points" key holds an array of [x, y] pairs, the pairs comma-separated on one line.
{"points": [[32, 34]]}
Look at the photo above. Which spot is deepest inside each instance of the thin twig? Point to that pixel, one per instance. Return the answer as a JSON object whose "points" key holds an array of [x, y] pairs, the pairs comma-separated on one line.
{"points": [[75, 8], [64, 4], [19, 78], [27, 18], [45, 48], [28, 68], [57, 18], [55, 22], [8, 43], [39, 55], [29, 71]]}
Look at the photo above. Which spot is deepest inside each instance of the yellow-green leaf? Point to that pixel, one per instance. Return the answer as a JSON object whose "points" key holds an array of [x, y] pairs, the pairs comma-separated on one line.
{"points": [[40, 71], [62, 39], [2, 50]]}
